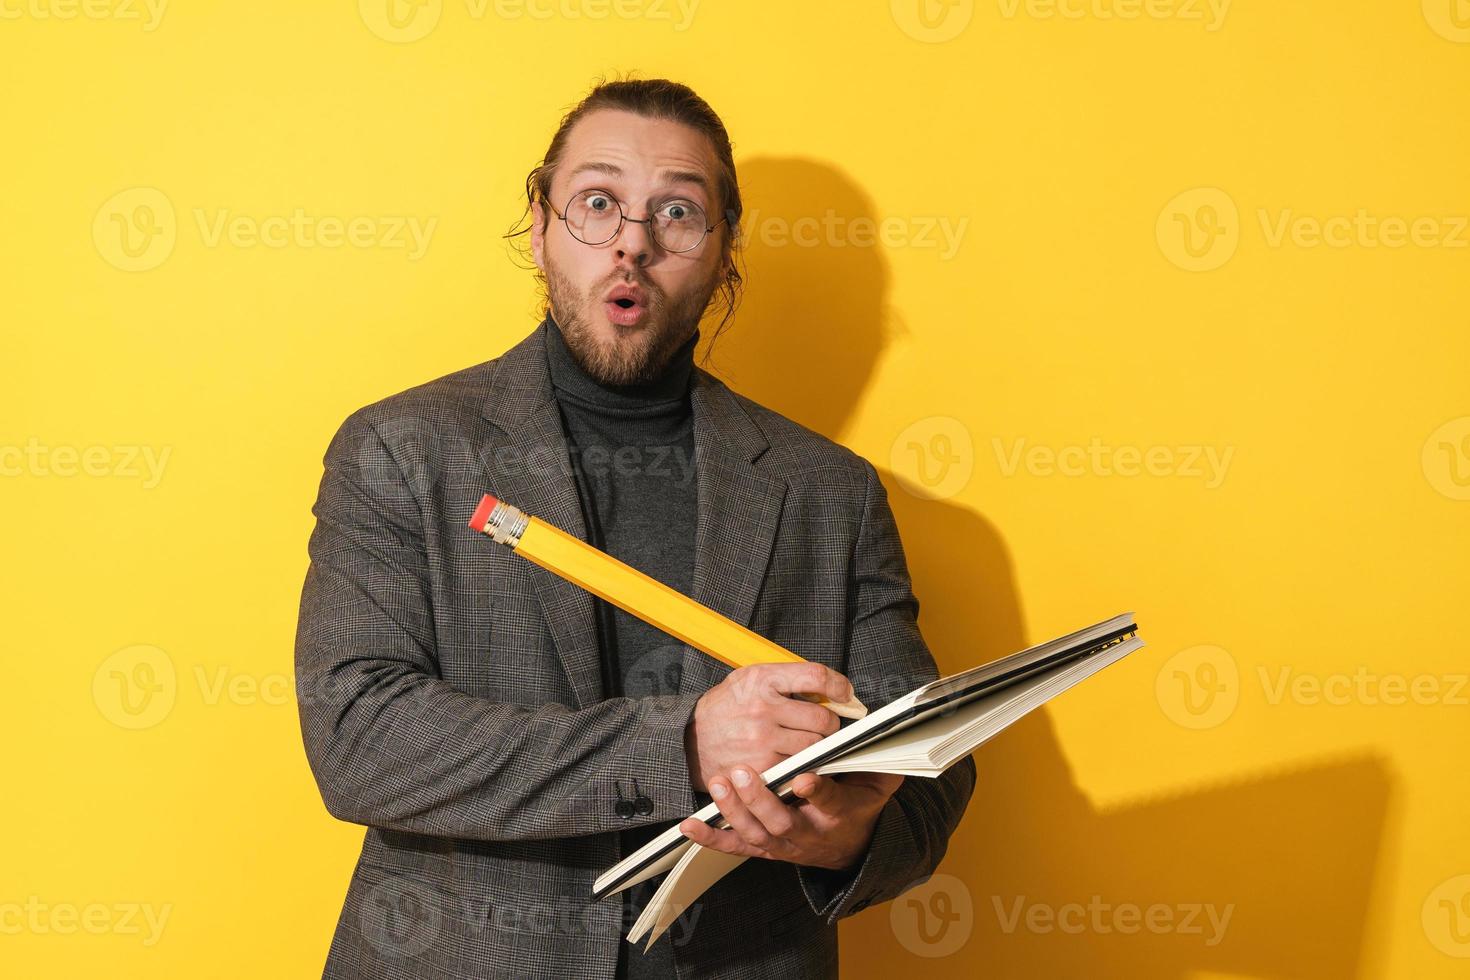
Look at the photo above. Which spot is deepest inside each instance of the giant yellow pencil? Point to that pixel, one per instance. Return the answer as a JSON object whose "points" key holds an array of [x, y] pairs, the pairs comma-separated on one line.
{"points": [[624, 586]]}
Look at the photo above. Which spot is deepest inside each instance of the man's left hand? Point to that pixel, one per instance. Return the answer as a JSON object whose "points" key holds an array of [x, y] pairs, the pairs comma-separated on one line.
{"points": [[829, 826]]}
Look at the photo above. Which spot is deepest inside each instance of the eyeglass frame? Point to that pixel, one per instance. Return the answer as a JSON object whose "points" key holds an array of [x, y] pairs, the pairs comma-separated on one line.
{"points": [[623, 218]]}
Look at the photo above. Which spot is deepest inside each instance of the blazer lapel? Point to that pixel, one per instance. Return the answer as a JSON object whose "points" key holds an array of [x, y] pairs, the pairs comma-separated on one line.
{"points": [[530, 467], [739, 510], [737, 514]]}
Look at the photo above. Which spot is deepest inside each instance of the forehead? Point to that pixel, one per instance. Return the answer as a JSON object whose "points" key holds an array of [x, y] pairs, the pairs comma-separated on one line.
{"points": [[646, 151]]}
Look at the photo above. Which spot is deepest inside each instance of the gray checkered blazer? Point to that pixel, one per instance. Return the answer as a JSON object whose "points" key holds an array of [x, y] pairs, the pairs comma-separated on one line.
{"points": [[452, 701]]}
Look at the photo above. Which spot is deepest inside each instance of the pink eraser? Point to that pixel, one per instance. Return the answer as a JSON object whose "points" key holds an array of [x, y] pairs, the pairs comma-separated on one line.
{"points": [[482, 512]]}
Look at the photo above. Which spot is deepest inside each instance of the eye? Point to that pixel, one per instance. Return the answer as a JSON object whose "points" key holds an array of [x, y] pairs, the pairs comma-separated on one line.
{"points": [[679, 211], [599, 202]]}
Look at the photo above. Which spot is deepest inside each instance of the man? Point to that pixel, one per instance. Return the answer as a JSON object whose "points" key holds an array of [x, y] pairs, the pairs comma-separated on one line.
{"points": [[506, 736]]}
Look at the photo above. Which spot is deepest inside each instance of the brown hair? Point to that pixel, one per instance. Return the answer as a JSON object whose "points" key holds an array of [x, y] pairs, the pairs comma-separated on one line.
{"points": [[656, 98]]}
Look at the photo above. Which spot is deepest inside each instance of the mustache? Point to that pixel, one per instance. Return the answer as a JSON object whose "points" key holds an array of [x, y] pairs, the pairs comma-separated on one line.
{"points": [[655, 295]]}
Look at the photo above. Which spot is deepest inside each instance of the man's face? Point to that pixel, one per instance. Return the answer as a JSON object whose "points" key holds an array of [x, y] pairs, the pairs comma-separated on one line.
{"points": [[643, 164]]}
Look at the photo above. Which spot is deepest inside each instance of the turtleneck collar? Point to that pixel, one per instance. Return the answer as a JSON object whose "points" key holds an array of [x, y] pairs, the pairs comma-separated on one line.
{"points": [[568, 378]]}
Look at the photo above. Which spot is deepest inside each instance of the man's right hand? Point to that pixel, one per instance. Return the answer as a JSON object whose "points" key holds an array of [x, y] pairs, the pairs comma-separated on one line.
{"points": [[749, 719]]}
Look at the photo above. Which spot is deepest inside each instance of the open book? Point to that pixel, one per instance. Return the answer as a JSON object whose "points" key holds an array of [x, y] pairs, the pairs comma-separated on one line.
{"points": [[921, 733]]}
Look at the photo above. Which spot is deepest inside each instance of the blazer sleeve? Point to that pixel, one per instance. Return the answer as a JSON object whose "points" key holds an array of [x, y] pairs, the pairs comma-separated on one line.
{"points": [[887, 657], [392, 745]]}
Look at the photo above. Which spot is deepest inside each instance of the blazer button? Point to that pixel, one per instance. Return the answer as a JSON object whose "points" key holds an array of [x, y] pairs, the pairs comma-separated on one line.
{"points": [[624, 809], [643, 805], [860, 904]]}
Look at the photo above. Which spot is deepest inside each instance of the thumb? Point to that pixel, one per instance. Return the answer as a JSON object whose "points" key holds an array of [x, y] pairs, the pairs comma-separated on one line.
{"points": [[820, 791]]}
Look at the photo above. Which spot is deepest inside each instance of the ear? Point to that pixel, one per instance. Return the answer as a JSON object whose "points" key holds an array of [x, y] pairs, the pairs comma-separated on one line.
{"points": [[538, 239]]}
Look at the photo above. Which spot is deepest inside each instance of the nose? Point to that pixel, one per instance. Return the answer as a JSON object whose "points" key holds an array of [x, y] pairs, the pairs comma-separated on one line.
{"points": [[634, 243]]}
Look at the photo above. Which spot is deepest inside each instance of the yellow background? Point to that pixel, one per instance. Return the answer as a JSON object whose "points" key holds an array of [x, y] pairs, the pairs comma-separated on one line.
{"points": [[1069, 153]]}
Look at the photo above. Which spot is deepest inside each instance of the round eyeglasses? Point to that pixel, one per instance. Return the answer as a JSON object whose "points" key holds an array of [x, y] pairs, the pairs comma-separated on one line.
{"points": [[594, 217]]}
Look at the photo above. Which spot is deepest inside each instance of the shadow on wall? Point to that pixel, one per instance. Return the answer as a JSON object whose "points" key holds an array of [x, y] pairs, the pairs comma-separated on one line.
{"points": [[1289, 856]]}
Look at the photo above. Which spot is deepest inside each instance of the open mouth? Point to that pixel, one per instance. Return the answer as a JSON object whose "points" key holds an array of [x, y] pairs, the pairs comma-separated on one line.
{"points": [[625, 305]]}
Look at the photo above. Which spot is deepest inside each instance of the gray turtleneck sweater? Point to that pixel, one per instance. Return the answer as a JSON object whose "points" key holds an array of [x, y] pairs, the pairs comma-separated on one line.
{"points": [[632, 455]]}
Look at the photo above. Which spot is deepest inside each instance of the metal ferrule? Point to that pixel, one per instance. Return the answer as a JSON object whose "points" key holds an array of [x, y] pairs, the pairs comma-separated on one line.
{"points": [[506, 524]]}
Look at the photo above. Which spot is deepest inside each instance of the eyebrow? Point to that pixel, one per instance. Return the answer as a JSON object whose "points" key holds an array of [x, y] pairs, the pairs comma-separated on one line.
{"points": [[613, 170]]}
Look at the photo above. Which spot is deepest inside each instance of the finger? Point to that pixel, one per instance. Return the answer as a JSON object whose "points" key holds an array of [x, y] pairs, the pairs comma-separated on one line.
{"points": [[787, 742], [742, 821], [807, 678], [777, 819], [728, 841], [821, 792], [804, 716]]}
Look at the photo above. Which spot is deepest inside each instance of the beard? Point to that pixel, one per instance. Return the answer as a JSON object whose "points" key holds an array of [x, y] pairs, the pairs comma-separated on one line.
{"points": [[634, 355]]}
